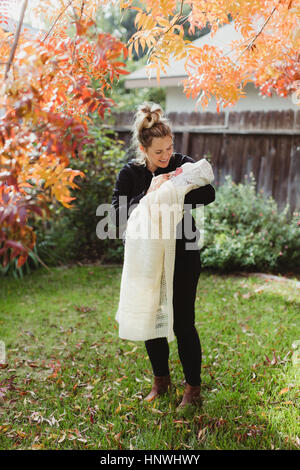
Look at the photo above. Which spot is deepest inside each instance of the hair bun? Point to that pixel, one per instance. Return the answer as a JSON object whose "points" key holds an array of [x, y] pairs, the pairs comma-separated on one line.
{"points": [[150, 114], [149, 122]]}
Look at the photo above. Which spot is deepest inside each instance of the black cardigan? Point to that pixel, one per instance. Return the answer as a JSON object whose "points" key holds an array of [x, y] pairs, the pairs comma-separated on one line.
{"points": [[134, 180]]}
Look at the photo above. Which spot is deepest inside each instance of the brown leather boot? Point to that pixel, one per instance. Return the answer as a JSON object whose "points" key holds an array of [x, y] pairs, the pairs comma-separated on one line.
{"points": [[191, 396], [160, 386]]}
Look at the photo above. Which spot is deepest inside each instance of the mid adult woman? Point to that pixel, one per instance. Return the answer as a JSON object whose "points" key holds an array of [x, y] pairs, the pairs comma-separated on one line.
{"points": [[154, 162]]}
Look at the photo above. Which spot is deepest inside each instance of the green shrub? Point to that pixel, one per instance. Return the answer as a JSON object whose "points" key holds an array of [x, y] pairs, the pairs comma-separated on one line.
{"points": [[245, 230], [70, 234], [12, 270]]}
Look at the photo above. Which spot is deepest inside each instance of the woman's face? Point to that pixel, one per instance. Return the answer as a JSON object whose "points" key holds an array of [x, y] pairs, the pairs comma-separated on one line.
{"points": [[159, 153]]}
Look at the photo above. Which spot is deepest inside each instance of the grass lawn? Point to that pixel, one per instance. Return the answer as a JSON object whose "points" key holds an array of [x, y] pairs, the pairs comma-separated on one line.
{"points": [[72, 383]]}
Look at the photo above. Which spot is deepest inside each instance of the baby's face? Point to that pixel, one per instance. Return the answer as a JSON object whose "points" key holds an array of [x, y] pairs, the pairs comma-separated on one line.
{"points": [[176, 172]]}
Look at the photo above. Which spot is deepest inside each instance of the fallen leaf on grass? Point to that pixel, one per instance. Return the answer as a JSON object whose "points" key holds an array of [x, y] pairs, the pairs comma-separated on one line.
{"points": [[56, 367], [157, 411], [83, 308], [118, 409], [216, 423], [5, 427], [36, 417], [258, 290], [201, 434], [222, 342], [7, 384], [93, 412], [185, 445], [284, 390], [121, 378], [130, 352], [250, 431], [52, 421], [237, 418], [33, 364], [272, 362], [37, 446]]}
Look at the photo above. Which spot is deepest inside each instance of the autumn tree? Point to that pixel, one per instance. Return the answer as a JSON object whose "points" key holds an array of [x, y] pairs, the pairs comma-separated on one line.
{"points": [[47, 97], [47, 93], [267, 55]]}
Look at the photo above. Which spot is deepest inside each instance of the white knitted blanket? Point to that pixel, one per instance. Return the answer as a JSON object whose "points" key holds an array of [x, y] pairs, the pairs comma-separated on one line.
{"points": [[145, 308]]}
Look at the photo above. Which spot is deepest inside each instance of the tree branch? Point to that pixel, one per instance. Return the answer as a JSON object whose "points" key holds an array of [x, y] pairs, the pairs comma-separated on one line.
{"points": [[180, 13], [75, 15], [56, 20], [181, 8], [82, 7], [150, 51], [259, 32], [16, 40]]}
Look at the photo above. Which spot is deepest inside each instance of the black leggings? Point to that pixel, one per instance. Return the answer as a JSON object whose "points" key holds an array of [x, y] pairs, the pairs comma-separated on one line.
{"points": [[186, 274]]}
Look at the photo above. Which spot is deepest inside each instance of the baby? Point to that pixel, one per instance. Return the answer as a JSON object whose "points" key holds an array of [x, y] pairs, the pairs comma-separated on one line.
{"points": [[187, 174], [183, 175], [176, 172]]}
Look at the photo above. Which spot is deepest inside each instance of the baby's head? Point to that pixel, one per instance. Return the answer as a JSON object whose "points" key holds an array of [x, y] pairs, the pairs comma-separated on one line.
{"points": [[175, 172]]}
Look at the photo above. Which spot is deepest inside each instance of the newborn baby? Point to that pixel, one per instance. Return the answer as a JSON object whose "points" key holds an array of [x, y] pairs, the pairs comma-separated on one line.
{"points": [[187, 174], [184, 174], [176, 172]]}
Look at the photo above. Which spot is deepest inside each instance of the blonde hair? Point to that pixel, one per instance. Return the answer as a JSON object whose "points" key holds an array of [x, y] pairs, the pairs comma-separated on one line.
{"points": [[149, 122]]}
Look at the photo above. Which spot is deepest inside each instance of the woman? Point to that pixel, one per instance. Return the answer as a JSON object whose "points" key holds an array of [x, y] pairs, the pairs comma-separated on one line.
{"points": [[154, 163]]}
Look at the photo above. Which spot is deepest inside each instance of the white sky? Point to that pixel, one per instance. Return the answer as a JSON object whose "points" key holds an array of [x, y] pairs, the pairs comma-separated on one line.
{"points": [[14, 11]]}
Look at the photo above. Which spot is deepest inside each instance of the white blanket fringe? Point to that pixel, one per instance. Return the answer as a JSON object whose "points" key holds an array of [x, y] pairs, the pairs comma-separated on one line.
{"points": [[145, 308]]}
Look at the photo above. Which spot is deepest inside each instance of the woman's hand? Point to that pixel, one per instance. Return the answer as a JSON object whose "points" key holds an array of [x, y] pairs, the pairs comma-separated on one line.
{"points": [[157, 181]]}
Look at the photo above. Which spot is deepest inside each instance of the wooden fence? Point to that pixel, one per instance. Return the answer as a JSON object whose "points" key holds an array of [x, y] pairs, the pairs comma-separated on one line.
{"points": [[264, 143]]}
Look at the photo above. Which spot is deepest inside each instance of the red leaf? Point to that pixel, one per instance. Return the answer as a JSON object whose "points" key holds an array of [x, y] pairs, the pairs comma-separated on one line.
{"points": [[36, 209], [14, 244], [22, 214], [22, 260]]}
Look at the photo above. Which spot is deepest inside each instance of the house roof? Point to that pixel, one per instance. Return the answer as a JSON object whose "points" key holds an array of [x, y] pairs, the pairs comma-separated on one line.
{"points": [[175, 72]]}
